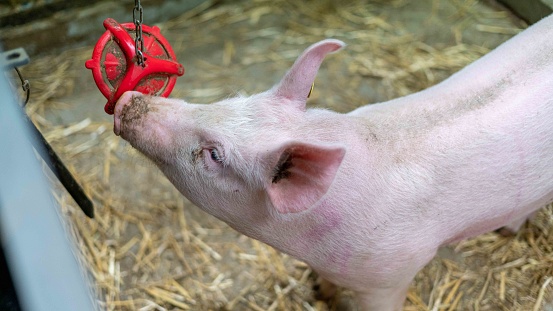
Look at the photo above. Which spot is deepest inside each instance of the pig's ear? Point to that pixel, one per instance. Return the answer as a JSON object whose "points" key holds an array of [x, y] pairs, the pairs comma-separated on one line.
{"points": [[297, 82], [301, 175]]}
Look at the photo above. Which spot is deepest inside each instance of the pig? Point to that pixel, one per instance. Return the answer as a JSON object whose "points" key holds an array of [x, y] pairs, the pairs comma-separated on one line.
{"points": [[365, 198]]}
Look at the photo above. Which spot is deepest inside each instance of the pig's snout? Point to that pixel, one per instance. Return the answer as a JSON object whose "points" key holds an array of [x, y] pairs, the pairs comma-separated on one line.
{"points": [[130, 107]]}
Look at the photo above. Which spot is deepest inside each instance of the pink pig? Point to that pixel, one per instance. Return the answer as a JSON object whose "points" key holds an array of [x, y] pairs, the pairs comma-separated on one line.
{"points": [[365, 198]]}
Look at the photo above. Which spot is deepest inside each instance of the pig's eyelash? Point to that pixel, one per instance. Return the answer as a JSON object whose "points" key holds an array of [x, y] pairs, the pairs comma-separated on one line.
{"points": [[215, 156]]}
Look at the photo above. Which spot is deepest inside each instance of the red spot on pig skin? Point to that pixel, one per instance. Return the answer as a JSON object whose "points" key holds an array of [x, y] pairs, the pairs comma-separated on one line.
{"points": [[329, 221], [325, 220]]}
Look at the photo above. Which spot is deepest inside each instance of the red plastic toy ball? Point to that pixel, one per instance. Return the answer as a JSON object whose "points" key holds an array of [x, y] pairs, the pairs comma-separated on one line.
{"points": [[114, 63]]}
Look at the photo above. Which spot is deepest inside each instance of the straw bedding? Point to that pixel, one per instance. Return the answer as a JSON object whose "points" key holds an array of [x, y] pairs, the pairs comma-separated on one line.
{"points": [[150, 249]]}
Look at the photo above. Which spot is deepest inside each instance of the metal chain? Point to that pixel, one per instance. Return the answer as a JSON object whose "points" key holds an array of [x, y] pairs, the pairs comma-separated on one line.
{"points": [[138, 41], [25, 85]]}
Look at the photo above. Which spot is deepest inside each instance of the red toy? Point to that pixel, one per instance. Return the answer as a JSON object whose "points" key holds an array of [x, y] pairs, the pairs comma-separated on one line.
{"points": [[114, 63]]}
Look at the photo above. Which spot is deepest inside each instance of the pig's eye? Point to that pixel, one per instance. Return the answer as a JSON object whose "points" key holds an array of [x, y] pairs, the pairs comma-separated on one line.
{"points": [[215, 155], [213, 158]]}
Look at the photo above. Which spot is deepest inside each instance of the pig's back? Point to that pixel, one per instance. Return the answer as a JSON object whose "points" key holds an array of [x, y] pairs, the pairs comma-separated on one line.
{"points": [[484, 137]]}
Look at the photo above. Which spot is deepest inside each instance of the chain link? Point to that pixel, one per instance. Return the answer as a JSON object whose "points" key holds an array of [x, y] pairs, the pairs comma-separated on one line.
{"points": [[25, 85], [138, 41]]}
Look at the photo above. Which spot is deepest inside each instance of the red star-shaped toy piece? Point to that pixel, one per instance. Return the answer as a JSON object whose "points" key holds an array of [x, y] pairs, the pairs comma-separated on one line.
{"points": [[114, 63]]}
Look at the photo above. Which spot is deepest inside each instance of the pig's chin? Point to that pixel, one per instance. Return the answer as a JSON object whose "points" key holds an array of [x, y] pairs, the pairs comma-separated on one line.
{"points": [[158, 156], [152, 142]]}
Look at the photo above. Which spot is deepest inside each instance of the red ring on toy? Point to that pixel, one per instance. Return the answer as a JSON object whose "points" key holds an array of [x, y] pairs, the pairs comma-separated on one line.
{"points": [[116, 71]]}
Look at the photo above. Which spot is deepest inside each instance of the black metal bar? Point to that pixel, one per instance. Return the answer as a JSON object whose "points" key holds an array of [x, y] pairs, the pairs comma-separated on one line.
{"points": [[61, 172]]}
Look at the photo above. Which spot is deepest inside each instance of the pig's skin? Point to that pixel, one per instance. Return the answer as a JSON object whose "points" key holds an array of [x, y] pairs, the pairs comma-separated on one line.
{"points": [[365, 198]]}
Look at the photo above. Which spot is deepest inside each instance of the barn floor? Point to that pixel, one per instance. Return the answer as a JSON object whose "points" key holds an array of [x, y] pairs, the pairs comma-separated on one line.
{"points": [[150, 249]]}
